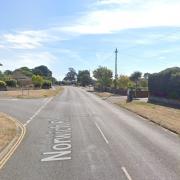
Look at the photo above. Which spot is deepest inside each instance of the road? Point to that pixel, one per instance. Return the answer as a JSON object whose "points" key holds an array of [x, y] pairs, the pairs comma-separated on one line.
{"points": [[78, 136]]}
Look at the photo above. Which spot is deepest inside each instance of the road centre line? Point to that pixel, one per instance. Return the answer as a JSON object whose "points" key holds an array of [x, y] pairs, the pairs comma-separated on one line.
{"points": [[126, 173], [38, 111], [104, 137]]}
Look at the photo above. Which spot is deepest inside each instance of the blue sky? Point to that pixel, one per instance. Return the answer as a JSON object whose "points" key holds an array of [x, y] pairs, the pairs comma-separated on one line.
{"points": [[84, 34]]}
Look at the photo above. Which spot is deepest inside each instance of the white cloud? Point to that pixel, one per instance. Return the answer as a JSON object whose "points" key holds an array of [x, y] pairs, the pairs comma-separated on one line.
{"points": [[25, 39], [107, 2], [2, 46], [110, 20], [30, 60]]}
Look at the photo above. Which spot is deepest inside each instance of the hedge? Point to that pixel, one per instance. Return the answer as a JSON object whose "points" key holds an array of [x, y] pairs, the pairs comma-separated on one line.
{"points": [[11, 83], [46, 84], [2, 86], [165, 84]]}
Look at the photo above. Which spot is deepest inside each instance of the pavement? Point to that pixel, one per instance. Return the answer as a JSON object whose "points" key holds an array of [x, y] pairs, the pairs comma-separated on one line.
{"points": [[78, 136]]}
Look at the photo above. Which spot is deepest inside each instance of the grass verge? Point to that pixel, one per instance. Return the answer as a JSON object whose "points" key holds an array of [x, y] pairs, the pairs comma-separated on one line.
{"points": [[8, 130], [42, 93], [103, 95], [166, 117]]}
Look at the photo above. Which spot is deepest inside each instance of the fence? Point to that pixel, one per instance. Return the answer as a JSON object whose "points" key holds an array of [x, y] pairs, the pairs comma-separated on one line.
{"points": [[122, 92]]}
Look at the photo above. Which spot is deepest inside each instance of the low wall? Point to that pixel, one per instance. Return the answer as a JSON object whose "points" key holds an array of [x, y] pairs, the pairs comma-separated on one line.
{"points": [[164, 101]]}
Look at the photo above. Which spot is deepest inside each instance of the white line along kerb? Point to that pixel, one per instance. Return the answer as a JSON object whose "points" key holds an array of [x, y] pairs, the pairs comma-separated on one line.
{"points": [[126, 173], [102, 133], [38, 111]]}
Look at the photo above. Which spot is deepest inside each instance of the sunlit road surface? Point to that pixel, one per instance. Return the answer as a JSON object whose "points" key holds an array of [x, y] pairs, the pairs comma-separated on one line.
{"points": [[78, 136]]}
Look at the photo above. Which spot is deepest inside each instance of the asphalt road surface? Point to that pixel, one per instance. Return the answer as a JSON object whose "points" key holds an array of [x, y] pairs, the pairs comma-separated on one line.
{"points": [[78, 136]]}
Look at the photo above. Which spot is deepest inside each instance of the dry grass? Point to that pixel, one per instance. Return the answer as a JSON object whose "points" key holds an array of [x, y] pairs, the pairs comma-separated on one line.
{"points": [[103, 94], [164, 116], [7, 131], [33, 93]]}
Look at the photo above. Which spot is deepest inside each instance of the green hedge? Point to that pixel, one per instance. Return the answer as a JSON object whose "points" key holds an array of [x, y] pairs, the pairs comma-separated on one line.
{"points": [[2, 86], [46, 84], [165, 84], [11, 83]]}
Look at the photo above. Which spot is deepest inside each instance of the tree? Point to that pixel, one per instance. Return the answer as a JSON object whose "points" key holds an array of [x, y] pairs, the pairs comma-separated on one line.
{"points": [[144, 83], [7, 72], [71, 75], [25, 71], [84, 78], [146, 75], [123, 82], [135, 77], [37, 80], [1, 76], [42, 71], [103, 76]]}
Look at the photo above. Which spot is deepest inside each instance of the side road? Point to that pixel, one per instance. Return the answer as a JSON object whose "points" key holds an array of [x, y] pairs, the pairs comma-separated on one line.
{"points": [[12, 133]]}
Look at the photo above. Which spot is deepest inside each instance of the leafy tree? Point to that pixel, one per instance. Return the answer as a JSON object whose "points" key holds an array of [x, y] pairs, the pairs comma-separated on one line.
{"points": [[37, 80], [1, 76], [103, 76], [144, 83], [26, 71], [7, 72], [123, 82], [135, 77], [84, 78], [146, 75], [71, 75], [42, 71]]}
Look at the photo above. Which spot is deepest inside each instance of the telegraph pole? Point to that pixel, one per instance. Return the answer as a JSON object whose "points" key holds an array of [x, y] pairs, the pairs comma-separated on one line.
{"points": [[116, 75]]}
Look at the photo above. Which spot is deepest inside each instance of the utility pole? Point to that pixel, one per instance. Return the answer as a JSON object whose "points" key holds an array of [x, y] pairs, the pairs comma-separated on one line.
{"points": [[116, 75]]}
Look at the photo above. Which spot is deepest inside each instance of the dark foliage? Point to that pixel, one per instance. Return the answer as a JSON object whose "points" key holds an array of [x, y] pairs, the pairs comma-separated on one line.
{"points": [[165, 84], [46, 84], [42, 71], [11, 83]]}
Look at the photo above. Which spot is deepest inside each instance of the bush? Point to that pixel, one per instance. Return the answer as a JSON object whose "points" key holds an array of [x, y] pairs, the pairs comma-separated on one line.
{"points": [[37, 81], [46, 84], [165, 84], [2, 86], [11, 83]]}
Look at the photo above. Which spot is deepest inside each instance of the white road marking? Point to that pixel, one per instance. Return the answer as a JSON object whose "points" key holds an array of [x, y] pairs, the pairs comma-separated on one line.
{"points": [[126, 173], [38, 111], [61, 142], [102, 133]]}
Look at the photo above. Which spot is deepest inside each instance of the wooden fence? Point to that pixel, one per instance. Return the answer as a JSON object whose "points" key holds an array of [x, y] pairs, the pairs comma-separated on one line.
{"points": [[122, 92]]}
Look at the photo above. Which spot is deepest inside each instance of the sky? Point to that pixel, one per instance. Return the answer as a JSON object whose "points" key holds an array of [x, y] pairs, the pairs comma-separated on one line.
{"points": [[83, 34]]}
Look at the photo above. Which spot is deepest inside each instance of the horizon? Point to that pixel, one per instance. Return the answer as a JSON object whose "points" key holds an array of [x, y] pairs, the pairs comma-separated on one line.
{"points": [[84, 35]]}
